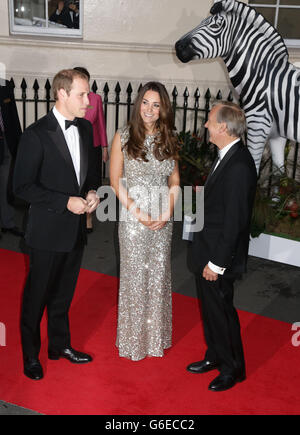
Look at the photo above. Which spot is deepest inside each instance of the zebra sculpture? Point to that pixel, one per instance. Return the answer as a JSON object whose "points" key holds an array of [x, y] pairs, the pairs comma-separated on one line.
{"points": [[257, 62]]}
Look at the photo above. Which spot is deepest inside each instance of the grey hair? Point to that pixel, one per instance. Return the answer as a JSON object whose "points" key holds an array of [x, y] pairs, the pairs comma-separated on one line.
{"points": [[234, 118]]}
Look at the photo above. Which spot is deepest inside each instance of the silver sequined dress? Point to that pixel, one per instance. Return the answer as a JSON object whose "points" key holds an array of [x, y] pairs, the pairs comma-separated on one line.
{"points": [[145, 296]]}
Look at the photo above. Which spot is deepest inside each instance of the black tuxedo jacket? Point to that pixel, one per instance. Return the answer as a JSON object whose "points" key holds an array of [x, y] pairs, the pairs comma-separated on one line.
{"points": [[10, 119], [228, 200], [44, 176], [65, 18]]}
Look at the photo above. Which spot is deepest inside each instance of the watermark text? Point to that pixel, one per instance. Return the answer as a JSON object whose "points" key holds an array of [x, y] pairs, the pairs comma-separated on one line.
{"points": [[187, 201], [296, 335], [2, 335]]}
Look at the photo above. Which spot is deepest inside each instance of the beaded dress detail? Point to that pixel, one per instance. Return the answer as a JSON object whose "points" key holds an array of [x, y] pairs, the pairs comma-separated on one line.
{"points": [[145, 295]]}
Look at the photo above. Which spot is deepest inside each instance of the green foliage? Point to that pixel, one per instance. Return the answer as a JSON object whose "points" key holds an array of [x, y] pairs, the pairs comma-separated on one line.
{"points": [[196, 159], [276, 207]]}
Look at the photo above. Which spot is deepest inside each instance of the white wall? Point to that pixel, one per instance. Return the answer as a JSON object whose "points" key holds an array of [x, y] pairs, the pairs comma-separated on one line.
{"points": [[123, 40]]}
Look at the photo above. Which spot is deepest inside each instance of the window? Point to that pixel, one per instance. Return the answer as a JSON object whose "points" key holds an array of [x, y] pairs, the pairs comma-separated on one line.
{"points": [[46, 17], [284, 15]]}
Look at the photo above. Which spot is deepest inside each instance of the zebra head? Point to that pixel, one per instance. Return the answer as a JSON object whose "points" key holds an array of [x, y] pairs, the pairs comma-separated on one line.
{"points": [[210, 39]]}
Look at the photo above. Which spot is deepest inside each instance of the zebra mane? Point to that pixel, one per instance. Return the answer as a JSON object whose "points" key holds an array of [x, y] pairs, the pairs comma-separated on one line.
{"points": [[259, 22]]}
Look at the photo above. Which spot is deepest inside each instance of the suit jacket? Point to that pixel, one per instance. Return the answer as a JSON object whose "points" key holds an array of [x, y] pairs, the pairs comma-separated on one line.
{"points": [[228, 200], [65, 18], [44, 176], [96, 117], [10, 119]]}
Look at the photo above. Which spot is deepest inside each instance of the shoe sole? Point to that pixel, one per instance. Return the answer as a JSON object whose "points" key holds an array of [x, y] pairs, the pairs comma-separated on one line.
{"points": [[56, 358], [228, 388], [202, 371], [32, 378]]}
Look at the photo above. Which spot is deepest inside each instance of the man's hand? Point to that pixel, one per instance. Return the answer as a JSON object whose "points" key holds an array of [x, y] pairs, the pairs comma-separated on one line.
{"points": [[60, 6], [77, 205], [105, 155], [92, 201], [209, 275]]}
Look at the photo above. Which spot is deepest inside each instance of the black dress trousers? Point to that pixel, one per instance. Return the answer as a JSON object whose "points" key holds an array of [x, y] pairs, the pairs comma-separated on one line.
{"points": [[221, 325], [50, 285]]}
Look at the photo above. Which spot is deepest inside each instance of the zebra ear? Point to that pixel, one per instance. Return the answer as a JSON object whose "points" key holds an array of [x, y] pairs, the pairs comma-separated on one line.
{"points": [[219, 6], [228, 5]]}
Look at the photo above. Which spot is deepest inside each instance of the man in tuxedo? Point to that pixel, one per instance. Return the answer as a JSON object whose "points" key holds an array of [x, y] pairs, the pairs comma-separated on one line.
{"points": [[10, 132], [67, 13], [56, 174], [219, 252]]}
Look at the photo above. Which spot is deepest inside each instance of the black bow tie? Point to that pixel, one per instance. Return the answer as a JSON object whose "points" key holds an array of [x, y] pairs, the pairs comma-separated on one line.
{"points": [[69, 123]]}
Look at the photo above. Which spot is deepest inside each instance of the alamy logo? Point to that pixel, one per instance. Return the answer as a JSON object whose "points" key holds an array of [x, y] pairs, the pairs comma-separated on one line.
{"points": [[2, 74], [2, 334], [158, 199], [296, 336]]}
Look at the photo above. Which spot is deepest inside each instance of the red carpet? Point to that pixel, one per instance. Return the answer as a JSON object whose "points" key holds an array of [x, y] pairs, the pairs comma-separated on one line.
{"points": [[155, 386]]}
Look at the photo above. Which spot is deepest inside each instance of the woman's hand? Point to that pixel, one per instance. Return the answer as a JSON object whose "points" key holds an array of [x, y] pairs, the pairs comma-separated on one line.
{"points": [[158, 224], [141, 216]]}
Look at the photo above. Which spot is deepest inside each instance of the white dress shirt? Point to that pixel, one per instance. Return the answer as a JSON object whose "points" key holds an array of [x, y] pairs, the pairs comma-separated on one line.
{"points": [[222, 152], [72, 139]]}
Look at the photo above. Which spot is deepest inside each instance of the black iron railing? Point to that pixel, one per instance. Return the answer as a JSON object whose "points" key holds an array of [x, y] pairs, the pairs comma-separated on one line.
{"points": [[189, 113], [116, 101]]}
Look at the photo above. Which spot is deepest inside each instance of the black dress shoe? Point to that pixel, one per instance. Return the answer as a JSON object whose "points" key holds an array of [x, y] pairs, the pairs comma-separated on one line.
{"points": [[202, 366], [15, 231], [224, 382], [72, 355], [33, 369]]}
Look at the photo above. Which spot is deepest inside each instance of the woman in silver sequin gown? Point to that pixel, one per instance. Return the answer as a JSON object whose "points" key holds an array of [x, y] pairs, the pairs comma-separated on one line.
{"points": [[145, 228]]}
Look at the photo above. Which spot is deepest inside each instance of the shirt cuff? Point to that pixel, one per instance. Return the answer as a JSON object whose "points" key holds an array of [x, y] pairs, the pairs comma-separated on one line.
{"points": [[216, 269]]}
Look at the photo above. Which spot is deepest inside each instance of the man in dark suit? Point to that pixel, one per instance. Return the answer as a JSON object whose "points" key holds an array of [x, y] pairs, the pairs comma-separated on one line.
{"points": [[10, 132], [67, 13], [56, 174], [219, 251]]}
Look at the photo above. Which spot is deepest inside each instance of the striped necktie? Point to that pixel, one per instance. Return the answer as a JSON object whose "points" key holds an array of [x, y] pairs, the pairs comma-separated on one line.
{"points": [[2, 146], [215, 164], [218, 161], [1, 122]]}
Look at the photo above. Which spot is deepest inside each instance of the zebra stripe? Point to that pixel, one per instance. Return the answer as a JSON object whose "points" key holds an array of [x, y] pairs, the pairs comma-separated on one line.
{"points": [[257, 62]]}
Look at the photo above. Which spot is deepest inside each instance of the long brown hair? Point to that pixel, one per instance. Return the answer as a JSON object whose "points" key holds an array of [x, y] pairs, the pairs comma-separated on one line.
{"points": [[165, 141]]}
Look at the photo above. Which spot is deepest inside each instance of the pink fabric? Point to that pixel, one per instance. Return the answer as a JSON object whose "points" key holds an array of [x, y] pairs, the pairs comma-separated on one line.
{"points": [[96, 116]]}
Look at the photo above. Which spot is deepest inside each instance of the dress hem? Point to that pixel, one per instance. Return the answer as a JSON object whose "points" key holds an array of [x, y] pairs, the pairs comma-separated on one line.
{"points": [[147, 355]]}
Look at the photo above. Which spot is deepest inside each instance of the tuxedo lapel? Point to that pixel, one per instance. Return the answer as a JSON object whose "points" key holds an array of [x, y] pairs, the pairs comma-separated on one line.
{"points": [[58, 138], [211, 170], [83, 154], [214, 174]]}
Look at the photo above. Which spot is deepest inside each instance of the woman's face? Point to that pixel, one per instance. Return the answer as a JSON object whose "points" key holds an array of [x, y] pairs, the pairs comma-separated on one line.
{"points": [[149, 110]]}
